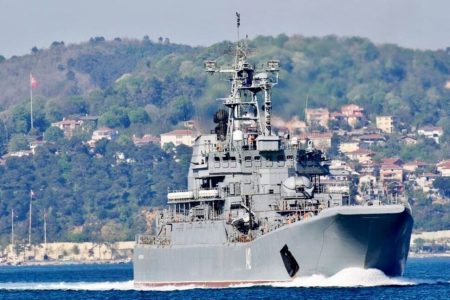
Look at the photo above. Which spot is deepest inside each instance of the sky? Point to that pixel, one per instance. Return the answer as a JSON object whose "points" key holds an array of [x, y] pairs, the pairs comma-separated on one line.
{"points": [[420, 24]]}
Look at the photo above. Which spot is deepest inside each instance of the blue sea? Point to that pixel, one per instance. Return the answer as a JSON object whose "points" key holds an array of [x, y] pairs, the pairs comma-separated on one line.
{"points": [[425, 278]]}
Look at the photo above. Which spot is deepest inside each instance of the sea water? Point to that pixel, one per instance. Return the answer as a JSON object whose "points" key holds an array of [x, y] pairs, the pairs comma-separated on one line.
{"points": [[426, 278]]}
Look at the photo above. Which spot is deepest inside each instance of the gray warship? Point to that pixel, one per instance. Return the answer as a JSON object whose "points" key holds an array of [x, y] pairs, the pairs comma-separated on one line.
{"points": [[255, 210]]}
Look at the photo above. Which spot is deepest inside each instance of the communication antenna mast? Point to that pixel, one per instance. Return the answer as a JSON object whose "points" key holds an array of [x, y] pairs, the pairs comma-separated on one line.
{"points": [[238, 23]]}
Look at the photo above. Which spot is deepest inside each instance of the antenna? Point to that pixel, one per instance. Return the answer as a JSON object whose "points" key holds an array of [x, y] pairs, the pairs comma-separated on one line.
{"points": [[238, 23]]}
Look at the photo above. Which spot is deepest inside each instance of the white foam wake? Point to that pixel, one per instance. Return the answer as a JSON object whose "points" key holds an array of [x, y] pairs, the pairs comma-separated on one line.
{"points": [[350, 277]]}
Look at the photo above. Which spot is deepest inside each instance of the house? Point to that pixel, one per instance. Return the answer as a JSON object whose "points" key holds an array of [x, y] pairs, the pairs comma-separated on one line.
{"points": [[431, 132], [68, 126], [392, 161], [385, 123], [35, 144], [337, 116], [190, 124], [20, 153], [102, 133], [368, 168], [145, 140], [409, 140], [320, 140], [337, 164], [294, 126], [347, 147], [390, 173], [414, 166], [425, 182], [353, 114], [179, 136], [371, 139], [317, 116], [361, 155], [444, 168]]}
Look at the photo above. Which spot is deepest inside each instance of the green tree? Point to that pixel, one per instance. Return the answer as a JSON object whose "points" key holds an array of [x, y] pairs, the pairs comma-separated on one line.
{"points": [[53, 134], [443, 185], [18, 142], [20, 117], [138, 116], [115, 117]]}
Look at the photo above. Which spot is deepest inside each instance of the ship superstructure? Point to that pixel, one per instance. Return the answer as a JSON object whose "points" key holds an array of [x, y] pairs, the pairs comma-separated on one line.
{"points": [[255, 209]]}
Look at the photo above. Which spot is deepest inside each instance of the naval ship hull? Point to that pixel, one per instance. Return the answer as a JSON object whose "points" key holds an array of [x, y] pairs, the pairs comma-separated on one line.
{"points": [[338, 238]]}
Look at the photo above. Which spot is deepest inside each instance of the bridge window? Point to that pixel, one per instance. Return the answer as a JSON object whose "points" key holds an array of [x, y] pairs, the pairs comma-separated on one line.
{"points": [[217, 162], [248, 161], [233, 162]]}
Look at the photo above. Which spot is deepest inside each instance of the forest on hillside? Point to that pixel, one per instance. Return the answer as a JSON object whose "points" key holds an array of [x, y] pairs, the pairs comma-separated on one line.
{"points": [[149, 87], [120, 79]]}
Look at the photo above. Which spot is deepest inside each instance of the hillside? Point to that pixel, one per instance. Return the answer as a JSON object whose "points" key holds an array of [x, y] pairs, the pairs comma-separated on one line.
{"points": [[144, 87], [167, 80]]}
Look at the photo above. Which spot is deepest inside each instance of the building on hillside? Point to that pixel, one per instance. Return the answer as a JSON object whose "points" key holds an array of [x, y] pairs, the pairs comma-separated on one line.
{"points": [[368, 168], [444, 168], [372, 139], [390, 173], [36, 144], [19, 153], [190, 124], [386, 123], [353, 113], [320, 141], [337, 116], [74, 124], [294, 126], [409, 140], [178, 137], [361, 155], [317, 116], [145, 140], [392, 161], [337, 164], [431, 132], [413, 166], [89, 122], [425, 183], [347, 147], [68, 126], [102, 133]]}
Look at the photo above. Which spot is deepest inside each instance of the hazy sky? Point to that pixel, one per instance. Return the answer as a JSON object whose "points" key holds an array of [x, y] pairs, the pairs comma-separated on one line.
{"points": [[411, 23]]}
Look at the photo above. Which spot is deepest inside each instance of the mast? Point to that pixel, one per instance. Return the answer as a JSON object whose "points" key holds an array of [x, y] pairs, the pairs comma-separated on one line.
{"points": [[31, 100], [29, 223], [45, 230], [12, 227], [242, 102]]}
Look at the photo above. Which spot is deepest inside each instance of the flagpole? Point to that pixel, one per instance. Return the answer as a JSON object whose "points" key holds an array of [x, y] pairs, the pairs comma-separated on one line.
{"points": [[45, 230], [31, 100], [29, 224], [12, 227]]}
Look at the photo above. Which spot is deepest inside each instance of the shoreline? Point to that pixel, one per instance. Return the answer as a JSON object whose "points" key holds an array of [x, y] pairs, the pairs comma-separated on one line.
{"points": [[129, 261], [66, 262], [428, 255]]}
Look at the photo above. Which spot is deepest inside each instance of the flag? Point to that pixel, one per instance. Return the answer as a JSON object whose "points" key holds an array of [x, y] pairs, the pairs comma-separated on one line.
{"points": [[238, 16], [33, 82], [32, 194]]}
